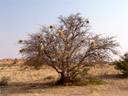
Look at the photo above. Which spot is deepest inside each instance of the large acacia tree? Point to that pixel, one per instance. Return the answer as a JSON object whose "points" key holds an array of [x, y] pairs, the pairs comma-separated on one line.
{"points": [[67, 47]]}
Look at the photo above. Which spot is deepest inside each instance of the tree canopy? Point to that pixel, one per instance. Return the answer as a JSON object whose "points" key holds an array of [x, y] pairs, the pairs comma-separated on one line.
{"points": [[68, 47]]}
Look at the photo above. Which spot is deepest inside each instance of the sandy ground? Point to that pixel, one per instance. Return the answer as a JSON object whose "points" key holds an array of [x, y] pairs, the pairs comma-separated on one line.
{"points": [[32, 83]]}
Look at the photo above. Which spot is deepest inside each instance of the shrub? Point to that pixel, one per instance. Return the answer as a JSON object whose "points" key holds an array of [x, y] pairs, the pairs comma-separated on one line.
{"points": [[88, 80], [85, 78], [122, 65], [4, 81]]}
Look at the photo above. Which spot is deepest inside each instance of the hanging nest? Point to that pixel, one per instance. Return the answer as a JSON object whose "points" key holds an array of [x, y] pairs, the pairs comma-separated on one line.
{"points": [[39, 37], [59, 53], [41, 47], [22, 50], [73, 23], [93, 43], [20, 41], [67, 53], [60, 33], [79, 19], [51, 26], [87, 21]]}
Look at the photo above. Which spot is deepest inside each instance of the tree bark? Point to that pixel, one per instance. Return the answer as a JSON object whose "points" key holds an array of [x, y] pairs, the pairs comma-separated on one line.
{"points": [[63, 79]]}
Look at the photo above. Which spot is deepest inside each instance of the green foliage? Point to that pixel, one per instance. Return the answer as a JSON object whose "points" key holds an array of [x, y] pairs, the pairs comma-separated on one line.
{"points": [[122, 65]]}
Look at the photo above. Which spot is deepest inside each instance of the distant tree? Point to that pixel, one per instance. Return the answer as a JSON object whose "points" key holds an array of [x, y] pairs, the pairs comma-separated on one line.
{"points": [[67, 47]]}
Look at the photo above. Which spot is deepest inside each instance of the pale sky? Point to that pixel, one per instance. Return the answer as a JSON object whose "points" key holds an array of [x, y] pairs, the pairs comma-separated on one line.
{"points": [[18, 18]]}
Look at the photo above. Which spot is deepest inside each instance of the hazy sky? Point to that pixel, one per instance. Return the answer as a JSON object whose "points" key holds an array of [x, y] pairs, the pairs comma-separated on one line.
{"points": [[18, 18]]}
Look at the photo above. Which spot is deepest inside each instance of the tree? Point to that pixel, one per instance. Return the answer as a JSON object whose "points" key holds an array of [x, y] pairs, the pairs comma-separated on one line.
{"points": [[67, 47]]}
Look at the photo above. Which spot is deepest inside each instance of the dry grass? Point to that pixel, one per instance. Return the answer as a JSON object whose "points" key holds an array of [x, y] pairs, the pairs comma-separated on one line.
{"points": [[32, 83]]}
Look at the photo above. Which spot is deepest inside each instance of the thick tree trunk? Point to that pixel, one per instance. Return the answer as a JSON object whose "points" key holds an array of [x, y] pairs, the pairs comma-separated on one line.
{"points": [[63, 79]]}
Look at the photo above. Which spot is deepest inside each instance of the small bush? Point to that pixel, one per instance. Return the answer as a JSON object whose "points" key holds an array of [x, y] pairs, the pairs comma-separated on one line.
{"points": [[85, 78], [94, 80], [122, 65], [4, 81], [88, 80]]}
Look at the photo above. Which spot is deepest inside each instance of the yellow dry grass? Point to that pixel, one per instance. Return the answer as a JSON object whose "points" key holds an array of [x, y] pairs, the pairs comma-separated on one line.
{"points": [[31, 83]]}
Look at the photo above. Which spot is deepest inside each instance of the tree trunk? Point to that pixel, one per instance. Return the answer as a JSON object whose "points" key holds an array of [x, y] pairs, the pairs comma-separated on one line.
{"points": [[63, 79]]}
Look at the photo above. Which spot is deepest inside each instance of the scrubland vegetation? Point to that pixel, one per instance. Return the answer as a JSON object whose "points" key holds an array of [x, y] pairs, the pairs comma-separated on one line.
{"points": [[66, 60]]}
